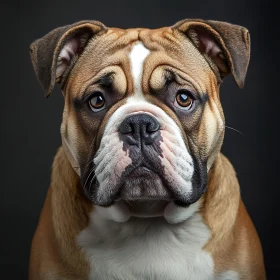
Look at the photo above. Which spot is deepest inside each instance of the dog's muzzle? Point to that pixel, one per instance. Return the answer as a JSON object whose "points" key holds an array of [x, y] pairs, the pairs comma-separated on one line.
{"points": [[143, 178], [142, 165]]}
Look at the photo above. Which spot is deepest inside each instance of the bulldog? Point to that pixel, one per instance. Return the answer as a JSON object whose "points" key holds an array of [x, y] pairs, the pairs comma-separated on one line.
{"points": [[139, 189]]}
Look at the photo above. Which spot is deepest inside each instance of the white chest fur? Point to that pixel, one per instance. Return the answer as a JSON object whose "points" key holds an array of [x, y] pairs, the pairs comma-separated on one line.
{"points": [[147, 249]]}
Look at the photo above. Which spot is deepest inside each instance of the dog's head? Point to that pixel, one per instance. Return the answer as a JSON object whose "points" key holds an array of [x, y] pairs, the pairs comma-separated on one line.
{"points": [[142, 119]]}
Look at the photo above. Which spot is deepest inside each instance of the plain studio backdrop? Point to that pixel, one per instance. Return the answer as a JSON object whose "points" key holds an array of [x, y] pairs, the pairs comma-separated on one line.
{"points": [[30, 123]]}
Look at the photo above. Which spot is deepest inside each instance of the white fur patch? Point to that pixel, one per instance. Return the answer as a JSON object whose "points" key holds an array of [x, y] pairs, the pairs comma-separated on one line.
{"points": [[228, 275], [110, 162], [147, 249], [176, 214], [137, 57], [118, 212]]}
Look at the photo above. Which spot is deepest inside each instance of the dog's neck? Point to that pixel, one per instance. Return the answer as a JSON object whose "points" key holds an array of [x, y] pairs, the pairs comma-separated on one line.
{"points": [[221, 200]]}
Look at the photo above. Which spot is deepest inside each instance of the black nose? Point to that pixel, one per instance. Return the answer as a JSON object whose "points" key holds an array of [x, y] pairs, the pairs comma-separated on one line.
{"points": [[140, 128]]}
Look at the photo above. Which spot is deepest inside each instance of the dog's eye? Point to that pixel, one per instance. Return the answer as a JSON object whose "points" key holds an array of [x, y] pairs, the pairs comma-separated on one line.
{"points": [[184, 99], [97, 102]]}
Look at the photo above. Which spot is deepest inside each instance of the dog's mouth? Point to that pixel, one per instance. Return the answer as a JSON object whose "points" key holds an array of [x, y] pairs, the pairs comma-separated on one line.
{"points": [[144, 194], [143, 184]]}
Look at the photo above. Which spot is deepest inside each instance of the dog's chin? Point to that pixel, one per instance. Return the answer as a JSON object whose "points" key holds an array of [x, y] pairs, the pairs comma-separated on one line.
{"points": [[144, 194], [142, 184]]}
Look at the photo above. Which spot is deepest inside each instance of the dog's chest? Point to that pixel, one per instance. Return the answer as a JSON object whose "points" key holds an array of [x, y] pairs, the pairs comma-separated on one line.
{"points": [[147, 249]]}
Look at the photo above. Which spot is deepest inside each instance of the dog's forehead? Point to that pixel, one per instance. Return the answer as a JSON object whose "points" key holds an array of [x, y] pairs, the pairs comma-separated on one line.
{"points": [[163, 47]]}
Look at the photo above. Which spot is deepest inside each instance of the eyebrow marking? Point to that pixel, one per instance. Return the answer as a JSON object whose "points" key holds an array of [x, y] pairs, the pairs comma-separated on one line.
{"points": [[106, 80], [137, 57]]}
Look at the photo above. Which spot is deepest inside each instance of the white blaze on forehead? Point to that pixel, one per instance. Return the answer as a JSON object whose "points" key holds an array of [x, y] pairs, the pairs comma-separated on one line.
{"points": [[137, 57]]}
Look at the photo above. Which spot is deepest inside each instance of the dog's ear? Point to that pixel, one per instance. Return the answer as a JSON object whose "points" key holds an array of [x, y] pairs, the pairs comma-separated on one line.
{"points": [[224, 45], [54, 54]]}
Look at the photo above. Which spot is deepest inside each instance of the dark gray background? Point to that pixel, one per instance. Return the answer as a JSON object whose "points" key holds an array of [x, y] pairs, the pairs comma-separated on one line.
{"points": [[30, 123]]}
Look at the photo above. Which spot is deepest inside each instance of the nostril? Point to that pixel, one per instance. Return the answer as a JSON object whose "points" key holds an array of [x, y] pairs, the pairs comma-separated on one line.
{"points": [[126, 128], [152, 127]]}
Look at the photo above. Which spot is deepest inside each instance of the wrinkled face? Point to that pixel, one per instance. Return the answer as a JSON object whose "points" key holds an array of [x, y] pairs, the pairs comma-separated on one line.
{"points": [[142, 118]]}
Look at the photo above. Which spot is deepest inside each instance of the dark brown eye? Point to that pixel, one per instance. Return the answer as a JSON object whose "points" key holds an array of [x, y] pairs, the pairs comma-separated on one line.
{"points": [[184, 99], [97, 102]]}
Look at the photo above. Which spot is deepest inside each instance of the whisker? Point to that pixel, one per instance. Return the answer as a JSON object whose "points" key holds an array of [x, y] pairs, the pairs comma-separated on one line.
{"points": [[93, 177], [235, 130], [90, 185], [91, 145], [127, 201], [92, 170], [91, 161], [155, 203]]}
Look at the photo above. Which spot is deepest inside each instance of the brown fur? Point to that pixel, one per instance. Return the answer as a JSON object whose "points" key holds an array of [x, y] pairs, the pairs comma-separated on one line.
{"points": [[64, 215], [234, 243]]}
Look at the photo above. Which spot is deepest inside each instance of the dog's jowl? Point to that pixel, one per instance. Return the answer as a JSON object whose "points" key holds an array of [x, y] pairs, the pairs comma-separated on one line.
{"points": [[139, 189]]}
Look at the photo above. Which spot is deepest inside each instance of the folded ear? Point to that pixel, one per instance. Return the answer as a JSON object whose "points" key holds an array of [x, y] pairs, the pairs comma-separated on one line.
{"points": [[224, 45], [54, 54]]}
